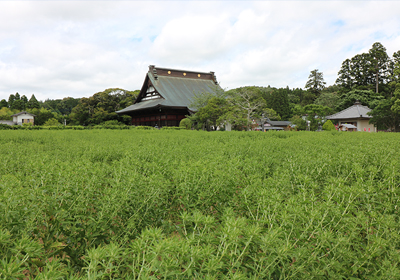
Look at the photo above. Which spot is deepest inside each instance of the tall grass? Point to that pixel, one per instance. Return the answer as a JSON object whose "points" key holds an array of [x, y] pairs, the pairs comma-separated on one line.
{"points": [[157, 204]]}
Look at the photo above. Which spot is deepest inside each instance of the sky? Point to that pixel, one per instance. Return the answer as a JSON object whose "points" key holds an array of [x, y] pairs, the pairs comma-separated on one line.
{"points": [[56, 49]]}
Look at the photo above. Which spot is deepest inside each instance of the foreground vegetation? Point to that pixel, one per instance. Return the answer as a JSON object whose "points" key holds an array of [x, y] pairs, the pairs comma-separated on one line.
{"points": [[164, 204]]}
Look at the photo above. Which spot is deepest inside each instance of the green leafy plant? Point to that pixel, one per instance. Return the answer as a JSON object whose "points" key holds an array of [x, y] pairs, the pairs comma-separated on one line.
{"points": [[172, 204]]}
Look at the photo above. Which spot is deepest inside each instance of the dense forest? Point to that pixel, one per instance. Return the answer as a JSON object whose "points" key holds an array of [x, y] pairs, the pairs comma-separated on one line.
{"points": [[373, 78]]}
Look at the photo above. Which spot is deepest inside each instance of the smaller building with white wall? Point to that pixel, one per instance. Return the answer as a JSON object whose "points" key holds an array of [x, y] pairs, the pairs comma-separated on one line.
{"points": [[23, 117], [356, 115]]}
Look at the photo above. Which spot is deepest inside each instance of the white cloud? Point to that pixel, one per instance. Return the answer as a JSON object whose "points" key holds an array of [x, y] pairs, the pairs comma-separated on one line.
{"points": [[56, 49]]}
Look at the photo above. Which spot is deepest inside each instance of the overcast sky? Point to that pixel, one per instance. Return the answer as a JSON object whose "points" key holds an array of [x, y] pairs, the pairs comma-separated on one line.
{"points": [[56, 49]]}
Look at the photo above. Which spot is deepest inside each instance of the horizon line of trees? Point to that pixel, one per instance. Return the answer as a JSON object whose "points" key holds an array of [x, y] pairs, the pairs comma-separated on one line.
{"points": [[373, 78]]}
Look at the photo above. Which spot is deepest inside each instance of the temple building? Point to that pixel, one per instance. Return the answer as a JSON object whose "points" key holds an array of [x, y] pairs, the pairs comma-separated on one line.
{"points": [[166, 95], [354, 118]]}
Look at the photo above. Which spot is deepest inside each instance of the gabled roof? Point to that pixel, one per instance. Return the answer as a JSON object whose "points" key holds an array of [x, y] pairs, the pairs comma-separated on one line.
{"points": [[357, 111], [21, 113], [173, 88]]}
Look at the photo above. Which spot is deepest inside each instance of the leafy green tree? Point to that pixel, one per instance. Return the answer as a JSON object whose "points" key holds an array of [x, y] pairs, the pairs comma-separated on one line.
{"points": [[299, 122], [211, 115], [67, 104], [51, 104], [296, 96], [271, 114], [396, 101], [396, 98], [315, 82], [33, 103], [248, 100], [3, 103], [17, 96], [278, 100], [42, 115], [6, 113], [328, 125], [329, 99], [386, 111], [52, 122], [315, 114], [298, 110], [101, 107], [384, 114], [201, 99], [366, 97]]}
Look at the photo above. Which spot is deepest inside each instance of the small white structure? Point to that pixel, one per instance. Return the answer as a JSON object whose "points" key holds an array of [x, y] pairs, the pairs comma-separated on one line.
{"points": [[347, 127], [357, 116], [23, 117]]}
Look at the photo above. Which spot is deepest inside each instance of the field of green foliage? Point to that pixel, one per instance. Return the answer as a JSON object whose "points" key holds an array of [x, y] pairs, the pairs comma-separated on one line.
{"points": [[154, 204]]}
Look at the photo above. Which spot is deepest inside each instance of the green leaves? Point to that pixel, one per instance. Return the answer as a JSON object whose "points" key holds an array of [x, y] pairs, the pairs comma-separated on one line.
{"points": [[148, 204]]}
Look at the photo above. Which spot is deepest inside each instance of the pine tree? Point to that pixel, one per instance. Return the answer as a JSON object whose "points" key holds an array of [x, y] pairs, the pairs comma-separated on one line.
{"points": [[3, 103], [33, 103], [315, 82], [11, 99], [379, 63]]}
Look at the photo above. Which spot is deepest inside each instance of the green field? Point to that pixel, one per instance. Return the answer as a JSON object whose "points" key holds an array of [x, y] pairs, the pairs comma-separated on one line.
{"points": [[135, 204]]}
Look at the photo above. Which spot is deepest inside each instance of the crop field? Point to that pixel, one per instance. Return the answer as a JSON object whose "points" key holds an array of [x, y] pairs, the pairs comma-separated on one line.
{"points": [[155, 204]]}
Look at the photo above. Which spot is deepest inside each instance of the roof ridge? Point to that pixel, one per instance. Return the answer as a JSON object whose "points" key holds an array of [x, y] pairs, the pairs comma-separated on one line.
{"points": [[182, 70]]}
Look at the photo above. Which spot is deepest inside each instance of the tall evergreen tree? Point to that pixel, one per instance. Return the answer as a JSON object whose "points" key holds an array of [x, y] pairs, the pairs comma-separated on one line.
{"points": [[378, 63], [345, 79], [11, 99], [3, 103], [33, 103], [367, 71], [315, 82], [278, 100], [24, 99]]}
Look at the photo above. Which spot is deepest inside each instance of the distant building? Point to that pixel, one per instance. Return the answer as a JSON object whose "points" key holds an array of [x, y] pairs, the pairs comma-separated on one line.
{"points": [[166, 95], [277, 125], [347, 127], [21, 118], [272, 125], [354, 118]]}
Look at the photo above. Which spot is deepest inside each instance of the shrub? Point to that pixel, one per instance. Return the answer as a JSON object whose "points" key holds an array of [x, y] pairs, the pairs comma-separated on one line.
{"points": [[172, 128], [5, 126], [328, 125], [186, 123], [51, 122], [143, 127]]}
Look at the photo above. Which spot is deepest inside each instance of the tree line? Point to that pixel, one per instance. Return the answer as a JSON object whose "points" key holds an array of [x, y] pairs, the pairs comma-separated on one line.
{"points": [[371, 78], [94, 110]]}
